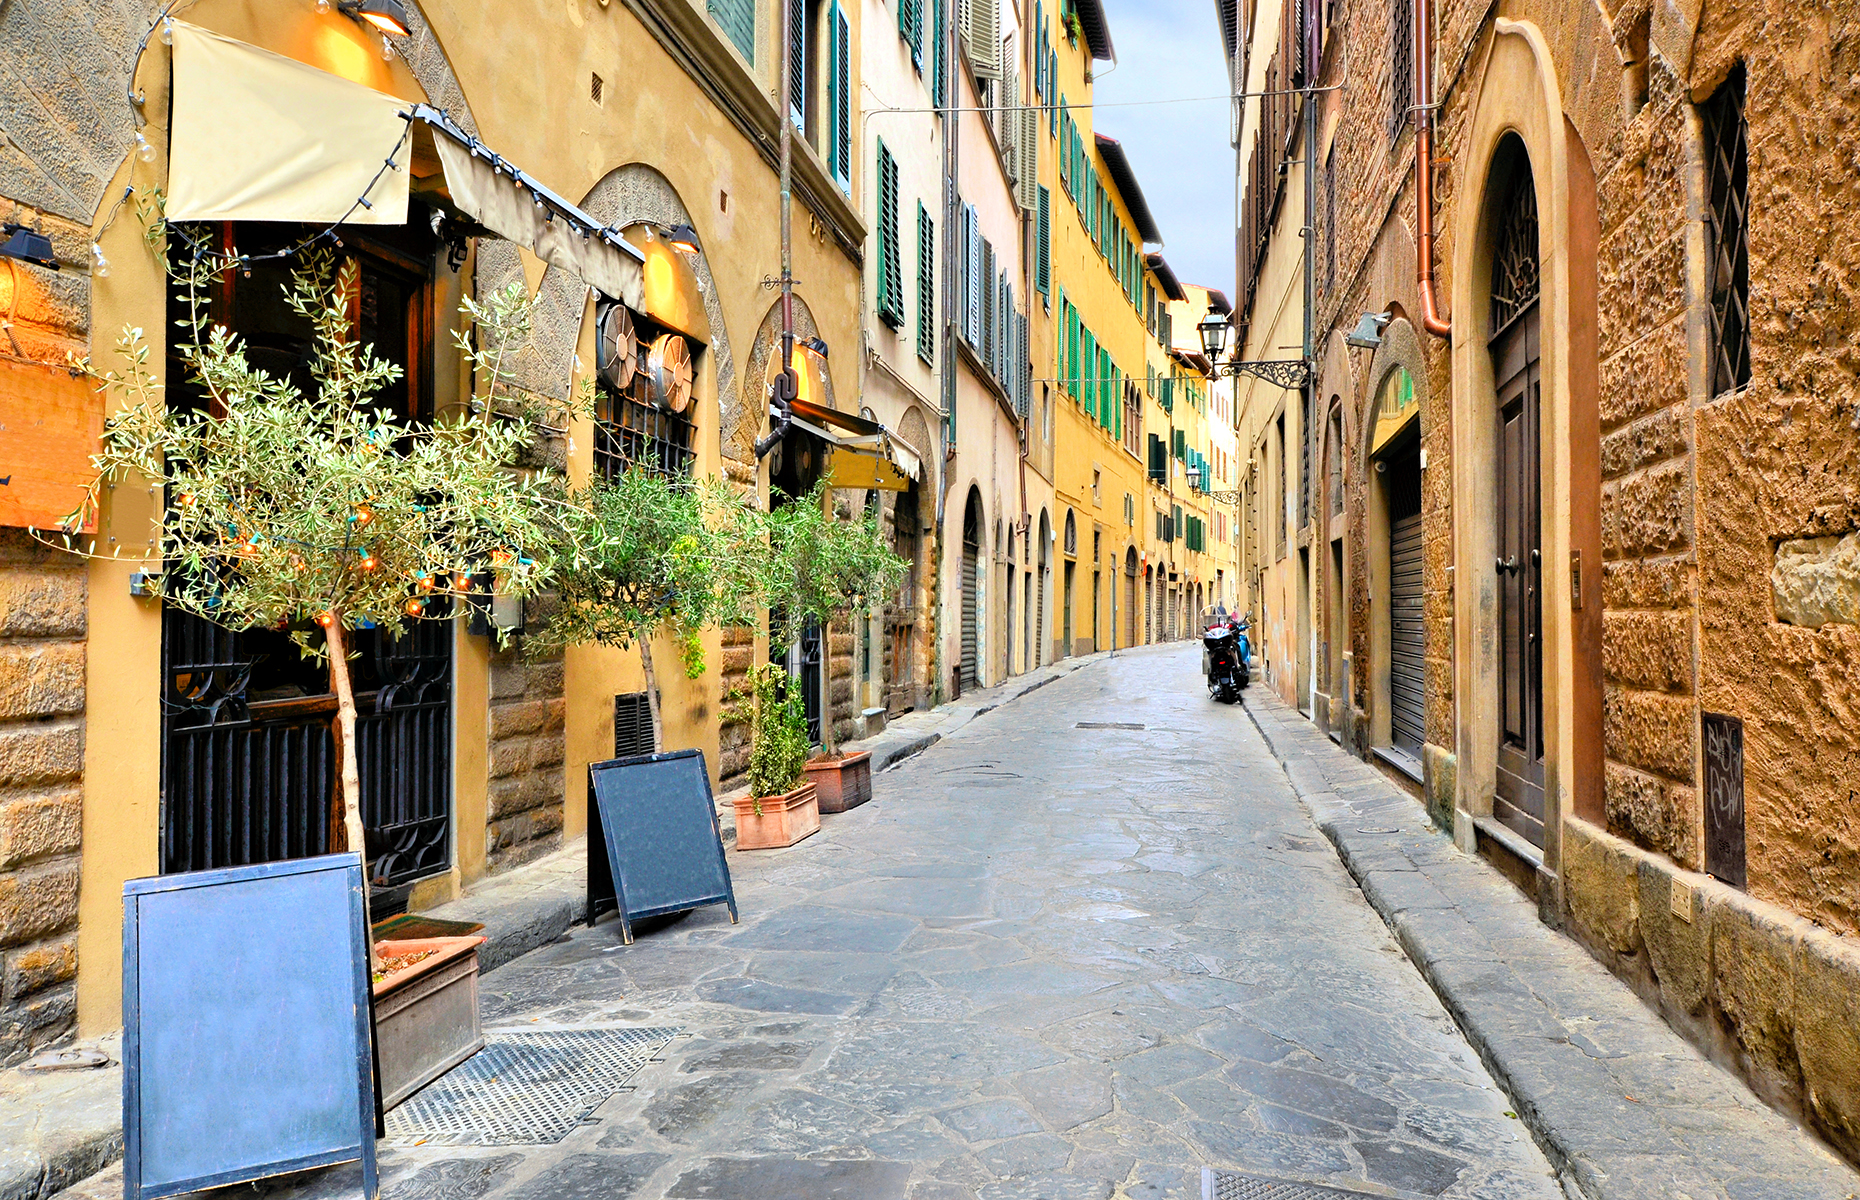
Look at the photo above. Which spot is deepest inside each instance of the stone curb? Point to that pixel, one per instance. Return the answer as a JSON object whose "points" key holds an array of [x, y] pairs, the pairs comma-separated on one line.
{"points": [[1621, 1104], [57, 1129]]}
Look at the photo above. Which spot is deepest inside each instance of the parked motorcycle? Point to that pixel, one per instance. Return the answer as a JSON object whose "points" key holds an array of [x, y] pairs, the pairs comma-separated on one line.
{"points": [[1225, 652]]}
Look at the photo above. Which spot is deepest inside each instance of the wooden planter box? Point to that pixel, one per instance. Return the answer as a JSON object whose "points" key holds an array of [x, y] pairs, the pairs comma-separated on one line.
{"points": [[785, 819], [843, 783], [426, 1016]]}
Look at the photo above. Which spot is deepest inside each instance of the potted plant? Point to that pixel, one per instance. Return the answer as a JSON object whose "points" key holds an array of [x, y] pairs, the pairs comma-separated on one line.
{"points": [[781, 807], [426, 1010], [822, 567], [310, 509]]}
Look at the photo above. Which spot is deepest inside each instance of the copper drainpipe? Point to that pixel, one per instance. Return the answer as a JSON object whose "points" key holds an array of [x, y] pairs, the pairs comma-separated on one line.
{"points": [[1431, 320]]}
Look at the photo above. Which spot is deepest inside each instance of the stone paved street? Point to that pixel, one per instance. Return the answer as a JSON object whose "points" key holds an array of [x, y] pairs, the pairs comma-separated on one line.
{"points": [[1047, 961]]}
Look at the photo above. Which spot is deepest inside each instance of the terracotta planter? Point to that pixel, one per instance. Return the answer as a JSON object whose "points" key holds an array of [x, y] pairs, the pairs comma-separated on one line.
{"points": [[843, 783], [784, 820], [426, 1015]]}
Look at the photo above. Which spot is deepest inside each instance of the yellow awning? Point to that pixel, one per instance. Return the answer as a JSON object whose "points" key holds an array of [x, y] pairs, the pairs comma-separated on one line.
{"points": [[256, 136]]}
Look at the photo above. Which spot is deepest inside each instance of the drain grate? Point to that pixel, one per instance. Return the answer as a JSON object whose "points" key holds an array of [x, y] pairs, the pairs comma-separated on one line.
{"points": [[1231, 1185], [1108, 725], [528, 1088]]}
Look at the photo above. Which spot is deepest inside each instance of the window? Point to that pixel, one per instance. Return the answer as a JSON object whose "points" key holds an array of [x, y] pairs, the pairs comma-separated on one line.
{"points": [[1130, 509], [890, 282], [1159, 461], [1133, 417], [1336, 462], [1304, 460], [1072, 534], [926, 285], [939, 56], [1727, 175], [911, 29], [1279, 448], [1097, 488], [1401, 65]]}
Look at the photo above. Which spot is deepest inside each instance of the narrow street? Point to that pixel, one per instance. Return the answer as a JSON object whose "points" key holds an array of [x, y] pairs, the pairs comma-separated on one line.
{"points": [[1086, 947]]}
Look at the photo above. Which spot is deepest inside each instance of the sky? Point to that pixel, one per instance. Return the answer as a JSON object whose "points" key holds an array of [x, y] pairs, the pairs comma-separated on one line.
{"points": [[1166, 49]]}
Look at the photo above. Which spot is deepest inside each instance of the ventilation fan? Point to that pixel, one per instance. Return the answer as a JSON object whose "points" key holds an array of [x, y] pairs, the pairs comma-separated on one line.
{"points": [[617, 356], [668, 370]]}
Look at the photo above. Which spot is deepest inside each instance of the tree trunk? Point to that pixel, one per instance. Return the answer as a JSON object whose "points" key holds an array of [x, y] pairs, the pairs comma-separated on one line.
{"points": [[652, 693], [351, 794]]}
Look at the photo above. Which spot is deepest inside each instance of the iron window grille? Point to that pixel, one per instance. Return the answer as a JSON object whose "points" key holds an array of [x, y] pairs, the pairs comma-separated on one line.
{"points": [[1727, 230], [631, 431], [1515, 278], [1401, 65]]}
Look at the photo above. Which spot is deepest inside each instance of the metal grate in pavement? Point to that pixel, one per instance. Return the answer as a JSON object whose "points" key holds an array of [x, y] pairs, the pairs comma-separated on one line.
{"points": [[1108, 725], [1231, 1185], [527, 1088]]}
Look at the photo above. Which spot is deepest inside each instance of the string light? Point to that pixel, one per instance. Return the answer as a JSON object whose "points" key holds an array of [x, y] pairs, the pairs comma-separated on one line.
{"points": [[368, 562], [144, 151], [326, 619], [322, 7], [167, 31], [100, 269], [415, 607]]}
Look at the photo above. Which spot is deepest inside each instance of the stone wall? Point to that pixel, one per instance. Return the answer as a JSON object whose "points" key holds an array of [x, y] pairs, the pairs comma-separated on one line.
{"points": [[524, 810]]}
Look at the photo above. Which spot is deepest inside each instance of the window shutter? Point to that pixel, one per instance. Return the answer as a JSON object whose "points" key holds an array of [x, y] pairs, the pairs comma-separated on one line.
{"points": [[939, 54], [977, 282], [737, 19], [926, 285], [839, 103], [797, 63], [1052, 73], [890, 269], [1043, 267], [911, 28], [1027, 150], [985, 277], [984, 33], [1116, 399]]}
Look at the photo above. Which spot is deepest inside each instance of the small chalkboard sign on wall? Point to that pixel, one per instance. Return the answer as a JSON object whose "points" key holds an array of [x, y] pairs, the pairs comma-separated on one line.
{"points": [[654, 846], [247, 1051]]}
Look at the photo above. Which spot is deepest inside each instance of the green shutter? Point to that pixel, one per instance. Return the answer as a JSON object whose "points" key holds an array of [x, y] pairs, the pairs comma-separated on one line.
{"points": [[890, 271], [839, 98], [911, 29], [939, 55], [737, 19], [926, 285], [1044, 260], [1117, 404]]}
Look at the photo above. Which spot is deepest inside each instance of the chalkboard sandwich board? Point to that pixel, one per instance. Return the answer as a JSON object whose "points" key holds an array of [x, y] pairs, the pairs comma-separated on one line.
{"points": [[653, 842], [247, 1051]]}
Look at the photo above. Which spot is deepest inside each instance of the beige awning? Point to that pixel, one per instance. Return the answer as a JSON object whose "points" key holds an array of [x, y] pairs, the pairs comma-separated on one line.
{"points": [[256, 136], [865, 453]]}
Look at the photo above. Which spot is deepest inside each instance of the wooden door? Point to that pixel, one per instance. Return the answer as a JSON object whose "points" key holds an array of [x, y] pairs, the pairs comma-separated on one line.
{"points": [[1519, 799]]}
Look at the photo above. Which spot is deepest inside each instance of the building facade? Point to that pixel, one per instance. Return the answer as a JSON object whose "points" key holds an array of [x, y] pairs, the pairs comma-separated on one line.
{"points": [[1580, 472]]}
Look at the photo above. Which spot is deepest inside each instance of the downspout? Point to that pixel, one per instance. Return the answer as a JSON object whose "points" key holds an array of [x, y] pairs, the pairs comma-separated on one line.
{"points": [[1431, 320], [952, 242]]}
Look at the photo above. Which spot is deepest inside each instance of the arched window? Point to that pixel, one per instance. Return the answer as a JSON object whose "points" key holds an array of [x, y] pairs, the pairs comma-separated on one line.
{"points": [[1072, 533]]}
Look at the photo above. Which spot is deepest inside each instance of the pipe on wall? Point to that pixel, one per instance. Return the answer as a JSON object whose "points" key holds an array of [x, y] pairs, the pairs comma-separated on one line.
{"points": [[1431, 320]]}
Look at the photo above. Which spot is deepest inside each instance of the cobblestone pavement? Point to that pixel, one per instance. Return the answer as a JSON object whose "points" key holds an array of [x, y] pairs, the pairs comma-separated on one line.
{"points": [[1084, 947]]}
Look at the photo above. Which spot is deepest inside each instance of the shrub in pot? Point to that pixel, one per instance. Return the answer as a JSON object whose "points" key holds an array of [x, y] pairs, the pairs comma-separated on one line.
{"points": [[781, 807]]}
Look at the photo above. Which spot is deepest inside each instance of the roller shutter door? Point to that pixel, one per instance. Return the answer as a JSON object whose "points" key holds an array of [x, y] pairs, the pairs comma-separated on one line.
{"points": [[970, 565], [1407, 668]]}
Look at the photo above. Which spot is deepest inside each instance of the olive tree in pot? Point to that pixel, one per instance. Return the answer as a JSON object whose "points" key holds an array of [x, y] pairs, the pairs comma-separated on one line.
{"points": [[297, 503], [822, 567], [782, 806], [656, 554]]}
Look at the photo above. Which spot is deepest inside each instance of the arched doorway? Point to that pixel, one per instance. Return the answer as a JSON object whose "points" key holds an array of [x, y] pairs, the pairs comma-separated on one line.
{"points": [[1072, 550], [970, 664], [1513, 341], [1130, 596], [1149, 604]]}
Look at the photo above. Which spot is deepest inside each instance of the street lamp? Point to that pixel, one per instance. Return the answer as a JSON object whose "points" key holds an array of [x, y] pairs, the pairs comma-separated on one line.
{"points": [[1368, 332], [1288, 373], [1194, 476]]}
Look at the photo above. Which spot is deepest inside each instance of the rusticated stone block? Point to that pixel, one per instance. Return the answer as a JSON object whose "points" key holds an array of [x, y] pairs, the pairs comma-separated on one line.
{"points": [[1649, 513], [41, 680], [1644, 376], [1660, 436], [1602, 884], [1816, 581], [1650, 650], [38, 902], [37, 602], [33, 968], [1649, 810], [1664, 583], [509, 757], [1650, 730], [1753, 986], [39, 754], [1827, 1033], [555, 715], [41, 826], [39, 1021], [509, 678], [526, 716]]}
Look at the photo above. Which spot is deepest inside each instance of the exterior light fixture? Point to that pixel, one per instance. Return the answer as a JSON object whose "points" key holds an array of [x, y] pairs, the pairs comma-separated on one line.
{"points": [[28, 245], [389, 16], [1213, 330], [1194, 476], [684, 239], [1368, 332]]}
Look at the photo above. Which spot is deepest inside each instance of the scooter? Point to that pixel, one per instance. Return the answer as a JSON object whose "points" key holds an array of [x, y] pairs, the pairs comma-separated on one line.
{"points": [[1225, 651]]}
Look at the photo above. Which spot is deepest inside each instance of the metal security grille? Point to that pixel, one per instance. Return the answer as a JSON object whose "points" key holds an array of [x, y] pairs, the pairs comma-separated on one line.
{"points": [[1727, 171], [630, 430], [1401, 65], [525, 1089], [1516, 280], [1230, 1185]]}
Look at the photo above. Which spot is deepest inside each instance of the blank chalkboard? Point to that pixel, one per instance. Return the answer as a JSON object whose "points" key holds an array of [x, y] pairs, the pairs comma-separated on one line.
{"points": [[247, 1050], [653, 842]]}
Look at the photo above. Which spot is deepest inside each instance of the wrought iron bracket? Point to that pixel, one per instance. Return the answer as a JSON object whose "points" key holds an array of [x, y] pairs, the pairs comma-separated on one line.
{"points": [[1288, 373], [1232, 497]]}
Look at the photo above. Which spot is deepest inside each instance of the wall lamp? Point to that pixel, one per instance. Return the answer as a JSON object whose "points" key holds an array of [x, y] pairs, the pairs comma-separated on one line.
{"points": [[1290, 373], [1368, 332], [684, 239], [28, 245], [389, 16]]}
